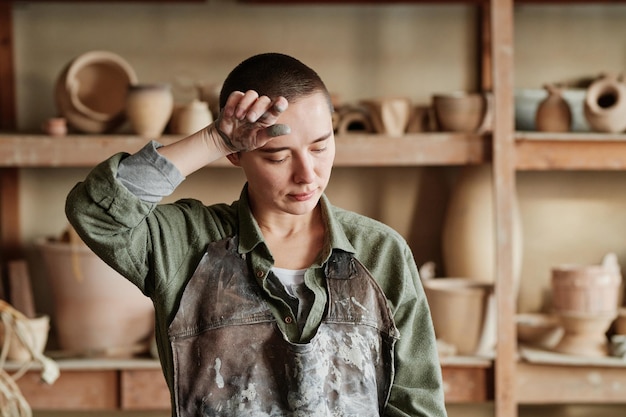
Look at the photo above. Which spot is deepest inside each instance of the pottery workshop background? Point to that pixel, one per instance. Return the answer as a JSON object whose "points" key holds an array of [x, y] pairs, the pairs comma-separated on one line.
{"points": [[362, 52]]}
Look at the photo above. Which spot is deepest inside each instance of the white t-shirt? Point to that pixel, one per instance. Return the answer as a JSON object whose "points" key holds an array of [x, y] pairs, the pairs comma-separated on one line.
{"points": [[290, 278]]}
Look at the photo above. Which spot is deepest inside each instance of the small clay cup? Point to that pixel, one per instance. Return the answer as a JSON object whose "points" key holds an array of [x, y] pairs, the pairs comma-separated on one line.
{"points": [[463, 112]]}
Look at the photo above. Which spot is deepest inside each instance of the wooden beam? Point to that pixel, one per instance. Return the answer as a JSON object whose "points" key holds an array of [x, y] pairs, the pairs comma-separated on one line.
{"points": [[7, 78], [501, 16]]}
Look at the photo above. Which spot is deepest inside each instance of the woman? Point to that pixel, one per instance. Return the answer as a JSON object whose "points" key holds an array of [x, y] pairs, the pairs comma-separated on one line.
{"points": [[278, 304]]}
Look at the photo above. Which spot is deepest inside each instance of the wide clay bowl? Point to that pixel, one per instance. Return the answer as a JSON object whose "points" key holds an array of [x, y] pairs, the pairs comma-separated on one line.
{"points": [[91, 91]]}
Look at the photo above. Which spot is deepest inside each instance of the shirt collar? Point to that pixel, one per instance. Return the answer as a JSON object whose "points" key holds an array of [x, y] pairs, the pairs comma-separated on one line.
{"points": [[250, 235]]}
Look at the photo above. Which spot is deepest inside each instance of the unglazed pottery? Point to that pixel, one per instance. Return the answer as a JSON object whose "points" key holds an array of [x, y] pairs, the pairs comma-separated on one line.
{"points": [[55, 126], [462, 313], [95, 308], [463, 111], [553, 113], [190, 118], [587, 289], [90, 91], [584, 334], [389, 115], [149, 108], [605, 104], [469, 233], [586, 300]]}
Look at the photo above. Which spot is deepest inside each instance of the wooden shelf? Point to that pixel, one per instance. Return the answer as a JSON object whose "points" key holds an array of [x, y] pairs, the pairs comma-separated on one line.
{"points": [[138, 384], [560, 384], [353, 150], [570, 151]]}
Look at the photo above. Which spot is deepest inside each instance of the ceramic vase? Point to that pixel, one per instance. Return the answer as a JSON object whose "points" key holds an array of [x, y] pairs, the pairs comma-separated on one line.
{"points": [[149, 108], [553, 112], [468, 238], [190, 118], [605, 104]]}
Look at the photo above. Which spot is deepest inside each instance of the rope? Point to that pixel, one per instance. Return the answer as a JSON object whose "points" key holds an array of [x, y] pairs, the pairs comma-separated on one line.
{"points": [[12, 402]]}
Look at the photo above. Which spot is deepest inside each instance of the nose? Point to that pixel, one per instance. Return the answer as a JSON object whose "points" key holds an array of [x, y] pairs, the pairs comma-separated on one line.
{"points": [[303, 169]]}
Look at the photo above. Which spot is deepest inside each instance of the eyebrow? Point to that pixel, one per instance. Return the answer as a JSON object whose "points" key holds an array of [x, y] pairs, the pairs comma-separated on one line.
{"points": [[285, 148]]}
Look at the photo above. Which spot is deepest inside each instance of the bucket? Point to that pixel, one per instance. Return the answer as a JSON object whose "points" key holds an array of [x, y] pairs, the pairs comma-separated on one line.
{"points": [[95, 308], [463, 313]]}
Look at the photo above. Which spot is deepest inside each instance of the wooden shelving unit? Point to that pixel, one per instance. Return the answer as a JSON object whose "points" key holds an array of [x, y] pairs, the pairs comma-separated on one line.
{"points": [[506, 381]]}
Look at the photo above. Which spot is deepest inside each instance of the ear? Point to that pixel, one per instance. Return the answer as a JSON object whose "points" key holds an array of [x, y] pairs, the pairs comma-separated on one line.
{"points": [[234, 158]]}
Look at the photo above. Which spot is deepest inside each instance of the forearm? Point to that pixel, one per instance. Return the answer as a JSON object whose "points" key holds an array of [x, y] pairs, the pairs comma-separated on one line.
{"points": [[197, 150]]}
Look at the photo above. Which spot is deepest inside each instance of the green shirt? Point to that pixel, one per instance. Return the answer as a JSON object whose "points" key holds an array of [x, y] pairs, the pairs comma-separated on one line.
{"points": [[158, 246]]}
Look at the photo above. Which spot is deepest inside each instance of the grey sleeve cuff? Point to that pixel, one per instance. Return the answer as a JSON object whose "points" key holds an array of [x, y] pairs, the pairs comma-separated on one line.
{"points": [[148, 174]]}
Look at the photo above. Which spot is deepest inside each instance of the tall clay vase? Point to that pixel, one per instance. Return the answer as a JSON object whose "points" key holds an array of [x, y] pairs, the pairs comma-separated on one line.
{"points": [[149, 108], [469, 234], [553, 113], [605, 104]]}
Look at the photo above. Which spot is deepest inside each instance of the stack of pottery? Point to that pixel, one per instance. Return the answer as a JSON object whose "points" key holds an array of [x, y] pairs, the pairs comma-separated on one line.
{"points": [[90, 92], [585, 298]]}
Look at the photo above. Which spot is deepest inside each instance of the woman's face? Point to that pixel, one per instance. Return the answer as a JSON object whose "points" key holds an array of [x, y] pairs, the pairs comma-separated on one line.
{"points": [[290, 173]]}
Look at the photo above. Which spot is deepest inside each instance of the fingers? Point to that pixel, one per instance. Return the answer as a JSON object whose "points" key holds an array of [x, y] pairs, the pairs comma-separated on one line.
{"points": [[252, 108]]}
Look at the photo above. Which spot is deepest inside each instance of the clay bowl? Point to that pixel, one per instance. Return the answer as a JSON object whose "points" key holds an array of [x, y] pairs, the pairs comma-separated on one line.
{"points": [[91, 91], [461, 111], [538, 329]]}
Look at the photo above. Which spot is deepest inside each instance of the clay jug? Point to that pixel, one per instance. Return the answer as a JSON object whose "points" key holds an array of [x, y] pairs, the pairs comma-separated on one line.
{"points": [[468, 238], [605, 104], [191, 117], [553, 113], [149, 108]]}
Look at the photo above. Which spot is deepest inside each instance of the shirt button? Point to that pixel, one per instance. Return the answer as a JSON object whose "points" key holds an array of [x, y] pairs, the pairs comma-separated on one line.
{"points": [[260, 273], [288, 320]]}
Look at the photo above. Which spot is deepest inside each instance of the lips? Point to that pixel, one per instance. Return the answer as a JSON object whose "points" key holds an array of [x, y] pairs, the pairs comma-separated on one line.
{"points": [[303, 196]]}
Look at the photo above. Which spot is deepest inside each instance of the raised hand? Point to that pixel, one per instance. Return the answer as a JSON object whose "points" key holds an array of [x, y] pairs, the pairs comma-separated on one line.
{"points": [[248, 121]]}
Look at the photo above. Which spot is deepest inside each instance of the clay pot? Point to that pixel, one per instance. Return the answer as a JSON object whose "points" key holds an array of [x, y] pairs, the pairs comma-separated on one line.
{"points": [[389, 115], [34, 329], [463, 112], [352, 119], [149, 108], [553, 113], [90, 92], [55, 126], [190, 118], [463, 313], [584, 334], [210, 93], [605, 104], [587, 289], [468, 236], [538, 330], [95, 308]]}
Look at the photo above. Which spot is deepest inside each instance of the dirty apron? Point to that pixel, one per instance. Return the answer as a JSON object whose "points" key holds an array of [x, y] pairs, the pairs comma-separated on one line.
{"points": [[231, 359]]}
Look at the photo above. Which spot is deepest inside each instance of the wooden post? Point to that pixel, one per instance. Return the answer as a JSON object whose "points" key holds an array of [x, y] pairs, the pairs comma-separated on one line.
{"points": [[501, 20]]}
